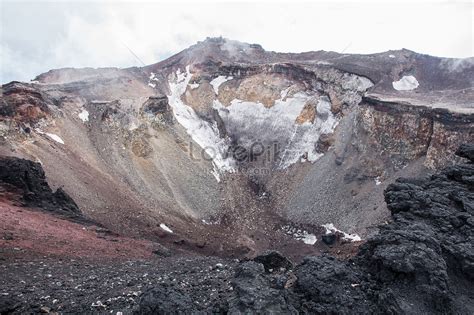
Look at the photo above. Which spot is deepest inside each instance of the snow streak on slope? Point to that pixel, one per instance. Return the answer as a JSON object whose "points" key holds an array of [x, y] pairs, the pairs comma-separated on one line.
{"points": [[55, 137], [164, 227], [205, 134], [52, 136], [218, 81]]}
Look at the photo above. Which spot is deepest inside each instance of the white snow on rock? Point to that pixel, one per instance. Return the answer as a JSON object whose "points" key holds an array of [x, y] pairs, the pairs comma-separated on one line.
{"points": [[84, 115], [194, 86], [218, 81], [244, 120], [378, 181], [55, 137], [277, 124], [406, 83], [205, 134], [132, 126], [215, 173], [309, 239], [301, 235], [330, 228], [209, 222], [391, 56], [52, 136], [164, 227], [151, 78]]}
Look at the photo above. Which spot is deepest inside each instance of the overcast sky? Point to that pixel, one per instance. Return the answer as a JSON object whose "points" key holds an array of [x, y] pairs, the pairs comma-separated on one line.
{"points": [[38, 36]]}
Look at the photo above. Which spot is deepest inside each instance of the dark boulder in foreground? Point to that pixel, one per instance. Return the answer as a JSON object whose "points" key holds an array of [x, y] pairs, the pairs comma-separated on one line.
{"points": [[28, 179], [162, 299], [254, 292], [273, 261], [422, 262], [466, 151]]}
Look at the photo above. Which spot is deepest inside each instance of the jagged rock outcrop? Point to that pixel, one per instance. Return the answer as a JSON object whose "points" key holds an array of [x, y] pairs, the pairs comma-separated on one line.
{"points": [[29, 180], [25, 103], [415, 262]]}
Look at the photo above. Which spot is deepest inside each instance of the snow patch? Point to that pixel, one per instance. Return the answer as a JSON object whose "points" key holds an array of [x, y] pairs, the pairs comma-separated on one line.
{"points": [[55, 137], [132, 126], [164, 227], [84, 115], [330, 228], [52, 136], [406, 83], [391, 56], [309, 239], [377, 181], [284, 93], [218, 81], [301, 235], [204, 133], [152, 77], [209, 222], [194, 86], [277, 124]]}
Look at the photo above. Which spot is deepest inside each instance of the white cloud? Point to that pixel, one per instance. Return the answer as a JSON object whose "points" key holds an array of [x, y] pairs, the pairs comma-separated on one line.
{"points": [[40, 36]]}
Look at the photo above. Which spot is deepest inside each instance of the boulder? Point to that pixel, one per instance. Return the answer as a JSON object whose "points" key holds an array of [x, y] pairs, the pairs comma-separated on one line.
{"points": [[28, 178], [254, 293], [273, 260], [466, 151]]}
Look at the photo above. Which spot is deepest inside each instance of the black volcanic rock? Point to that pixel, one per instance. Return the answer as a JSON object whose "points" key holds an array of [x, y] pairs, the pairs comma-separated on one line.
{"points": [[28, 178], [466, 151], [162, 299], [326, 285], [273, 260], [255, 294], [415, 263], [329, 239], [420, 263]]}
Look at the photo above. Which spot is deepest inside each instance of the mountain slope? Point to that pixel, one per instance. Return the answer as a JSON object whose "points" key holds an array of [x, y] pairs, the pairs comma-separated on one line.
{"points": [[235, 149]]}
